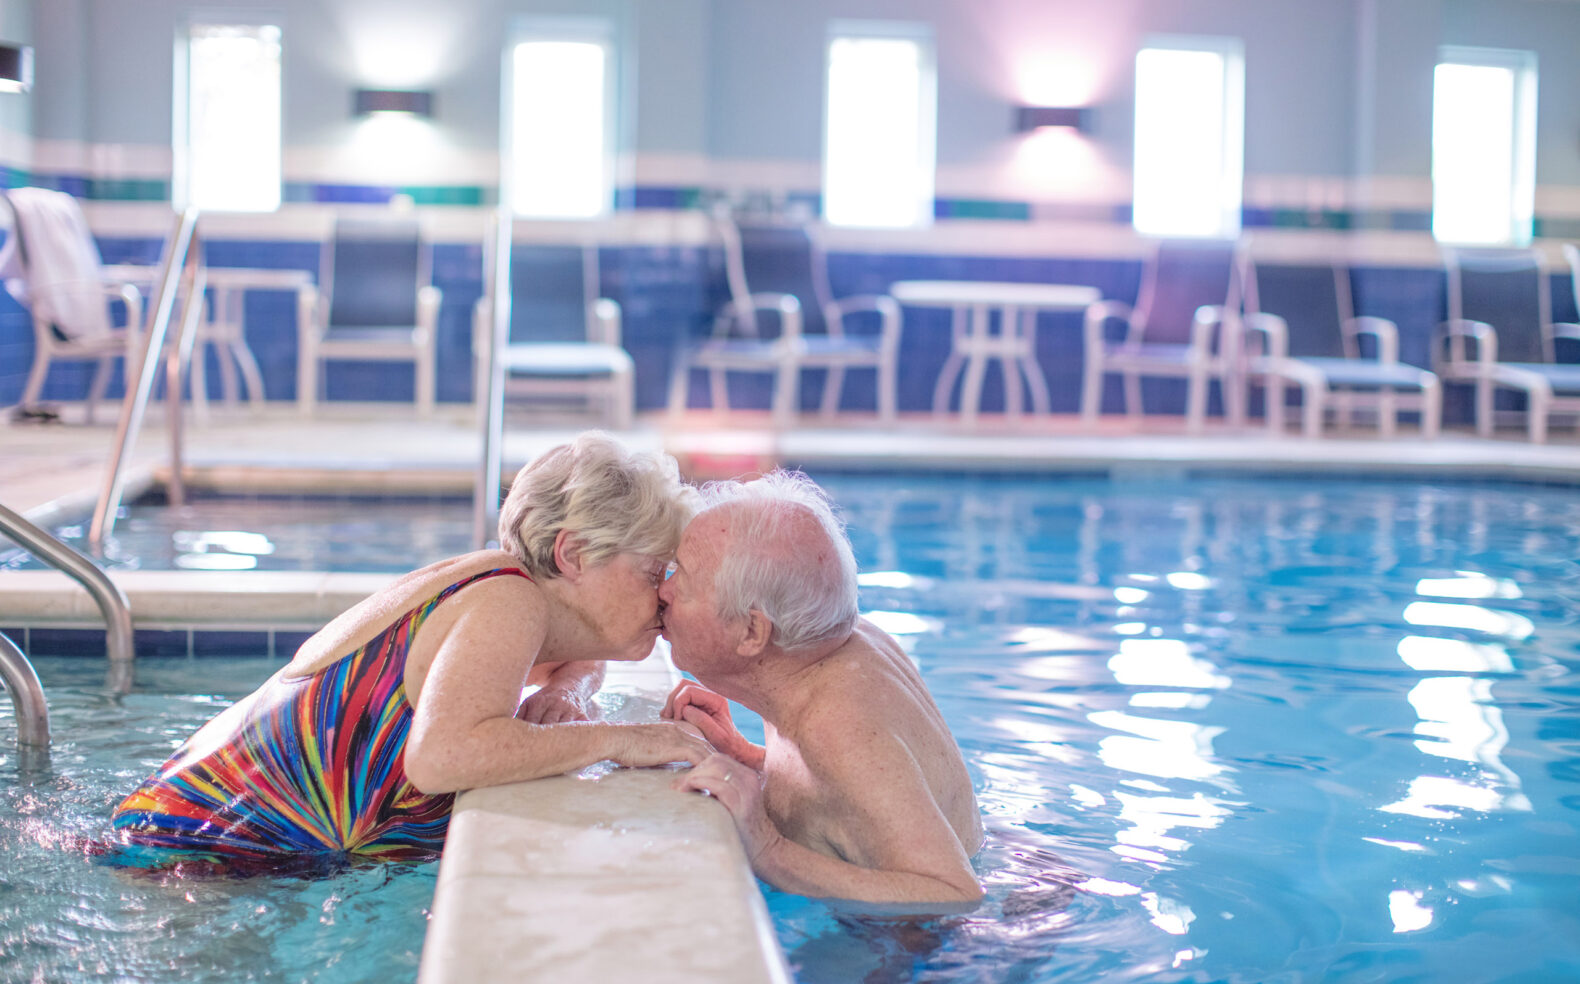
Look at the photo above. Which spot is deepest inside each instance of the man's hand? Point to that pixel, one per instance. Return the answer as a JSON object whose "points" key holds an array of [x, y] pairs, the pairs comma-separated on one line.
{"points": [[709, 713], [740, 789]]}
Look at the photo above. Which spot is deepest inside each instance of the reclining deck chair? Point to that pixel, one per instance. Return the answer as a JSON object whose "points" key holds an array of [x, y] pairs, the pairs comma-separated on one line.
{"points": [[1168, 334], [782, 269], [1306, 319], [564, 338], [373, 303], [52, 266], [1499, 304]]}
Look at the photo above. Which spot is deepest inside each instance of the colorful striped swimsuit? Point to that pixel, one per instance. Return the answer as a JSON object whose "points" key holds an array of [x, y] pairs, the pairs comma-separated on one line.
{"points": [[311, 765]]}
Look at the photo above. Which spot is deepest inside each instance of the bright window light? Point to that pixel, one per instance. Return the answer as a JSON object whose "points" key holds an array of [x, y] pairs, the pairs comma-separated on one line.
{"points": [[231, 152], [559, 130], [878, 143], [1190, 139], [1484, 147]]}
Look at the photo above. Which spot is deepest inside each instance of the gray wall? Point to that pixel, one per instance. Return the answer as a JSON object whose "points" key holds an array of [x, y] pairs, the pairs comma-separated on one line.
{"points": [[1334, 87], [16, 27]]}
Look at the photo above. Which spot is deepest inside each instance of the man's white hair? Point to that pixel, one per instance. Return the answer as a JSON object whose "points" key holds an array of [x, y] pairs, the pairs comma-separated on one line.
{"points": [[613, 500], [806, 589]]}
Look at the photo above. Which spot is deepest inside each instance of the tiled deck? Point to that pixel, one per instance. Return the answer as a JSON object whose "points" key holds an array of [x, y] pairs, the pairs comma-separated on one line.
{"points": [[376, 448]]}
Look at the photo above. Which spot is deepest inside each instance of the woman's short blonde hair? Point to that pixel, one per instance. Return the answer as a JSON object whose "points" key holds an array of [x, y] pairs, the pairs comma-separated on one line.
{"points": [[611, 499]]}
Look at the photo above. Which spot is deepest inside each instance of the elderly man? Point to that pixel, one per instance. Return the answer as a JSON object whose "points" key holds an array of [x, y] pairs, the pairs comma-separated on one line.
{"points": [[860, 792]]}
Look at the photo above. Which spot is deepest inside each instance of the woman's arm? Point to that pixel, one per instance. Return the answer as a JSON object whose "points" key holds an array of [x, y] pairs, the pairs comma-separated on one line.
{"points": [[464, 732]]}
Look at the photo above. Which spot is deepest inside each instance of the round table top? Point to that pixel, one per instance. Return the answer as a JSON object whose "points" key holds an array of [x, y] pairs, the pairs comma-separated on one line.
{"points": [[950, 293]]}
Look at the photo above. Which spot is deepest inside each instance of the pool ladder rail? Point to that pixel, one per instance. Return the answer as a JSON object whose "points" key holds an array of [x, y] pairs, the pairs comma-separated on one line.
{"points": [[18, 675], [490, 381], [183, 276]]}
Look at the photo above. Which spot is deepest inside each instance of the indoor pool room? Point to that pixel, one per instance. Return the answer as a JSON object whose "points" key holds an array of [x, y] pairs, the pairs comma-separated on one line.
{"points": [[1197, 387]]}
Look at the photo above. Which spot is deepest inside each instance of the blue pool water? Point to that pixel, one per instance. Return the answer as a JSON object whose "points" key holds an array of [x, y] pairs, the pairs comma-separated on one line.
{"points": [[1238, 730], [1221, 730], [275, 533], [67, 917]]}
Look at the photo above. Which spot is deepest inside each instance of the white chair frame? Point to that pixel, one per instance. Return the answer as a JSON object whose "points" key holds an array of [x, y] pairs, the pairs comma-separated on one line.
{"points": [[1468, 352], [418, 345]]}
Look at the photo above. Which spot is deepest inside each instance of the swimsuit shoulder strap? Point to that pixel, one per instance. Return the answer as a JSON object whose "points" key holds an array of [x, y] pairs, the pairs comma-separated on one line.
{"points": [[419, 613]]}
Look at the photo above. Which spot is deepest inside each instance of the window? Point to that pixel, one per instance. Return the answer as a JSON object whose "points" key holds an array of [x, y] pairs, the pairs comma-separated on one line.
{"points": [[878, 140], [560, 103], [228, 119], [1484, 146], [1190, 137]]}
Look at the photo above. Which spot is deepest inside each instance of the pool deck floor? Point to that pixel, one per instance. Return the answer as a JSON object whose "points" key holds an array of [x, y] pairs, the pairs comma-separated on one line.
{"points": [[609, 874], [369, 447]]}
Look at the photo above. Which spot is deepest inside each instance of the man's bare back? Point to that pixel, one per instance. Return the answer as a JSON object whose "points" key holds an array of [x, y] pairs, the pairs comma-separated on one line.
{"points": [[868, 687]]}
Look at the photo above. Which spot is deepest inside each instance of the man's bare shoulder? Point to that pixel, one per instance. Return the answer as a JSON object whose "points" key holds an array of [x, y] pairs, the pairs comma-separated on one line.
{"points": [[861, 707]]}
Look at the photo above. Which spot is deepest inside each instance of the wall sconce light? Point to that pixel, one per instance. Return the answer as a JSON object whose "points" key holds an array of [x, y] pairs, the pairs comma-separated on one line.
{"points": [[411, 101], [16, 67], [1029, 118]]}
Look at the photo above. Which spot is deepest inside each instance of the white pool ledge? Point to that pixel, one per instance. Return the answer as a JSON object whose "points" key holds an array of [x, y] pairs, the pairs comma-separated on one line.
{"points": [[603, 875]]}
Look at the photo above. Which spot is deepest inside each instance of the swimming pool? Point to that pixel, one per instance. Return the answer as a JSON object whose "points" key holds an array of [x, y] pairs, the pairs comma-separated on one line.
{"points": [[238, 532], [1221, 729], [66, 916], [1238, 730]]}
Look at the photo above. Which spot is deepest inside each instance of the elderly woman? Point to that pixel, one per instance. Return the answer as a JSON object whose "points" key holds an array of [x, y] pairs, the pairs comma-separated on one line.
{"points": [[358, 745]]}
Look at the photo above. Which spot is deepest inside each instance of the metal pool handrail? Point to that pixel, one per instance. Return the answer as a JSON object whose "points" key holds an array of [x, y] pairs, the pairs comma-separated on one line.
{"points": [[21, 682], [491, 376], [181, 273], [106, 593]]}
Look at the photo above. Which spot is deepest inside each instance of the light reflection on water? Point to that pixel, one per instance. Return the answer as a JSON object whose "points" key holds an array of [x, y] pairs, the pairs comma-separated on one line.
{"points": [[1240, 730]]}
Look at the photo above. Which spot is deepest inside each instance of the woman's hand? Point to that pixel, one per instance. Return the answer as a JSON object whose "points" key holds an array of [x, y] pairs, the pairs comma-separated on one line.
{"points": [[567, 694], [646, 745], [709, 713], [557, 706]]}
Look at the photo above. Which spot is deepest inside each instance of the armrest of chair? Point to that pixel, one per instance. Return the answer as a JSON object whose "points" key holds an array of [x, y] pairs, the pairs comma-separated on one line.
{"points": [[1098, 315], [1455, 333], [603, 321], [309, 320], [1209, 321], [1272, 330], [482, 311], [133, 299], [1385, 331], [428, 299], [1565, 331], [886, 307], [786, 306]]}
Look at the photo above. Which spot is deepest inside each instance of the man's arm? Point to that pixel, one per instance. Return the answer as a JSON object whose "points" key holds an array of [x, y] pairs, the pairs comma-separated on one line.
{"points": [[901, 847]]}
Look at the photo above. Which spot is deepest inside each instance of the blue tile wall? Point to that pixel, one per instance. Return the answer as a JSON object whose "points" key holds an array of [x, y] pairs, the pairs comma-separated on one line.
{"points": [[89, 643], [667, 295]]}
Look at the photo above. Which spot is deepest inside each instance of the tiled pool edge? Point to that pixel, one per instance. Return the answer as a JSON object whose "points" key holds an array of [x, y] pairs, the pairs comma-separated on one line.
{"points": [[603, 875]]}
